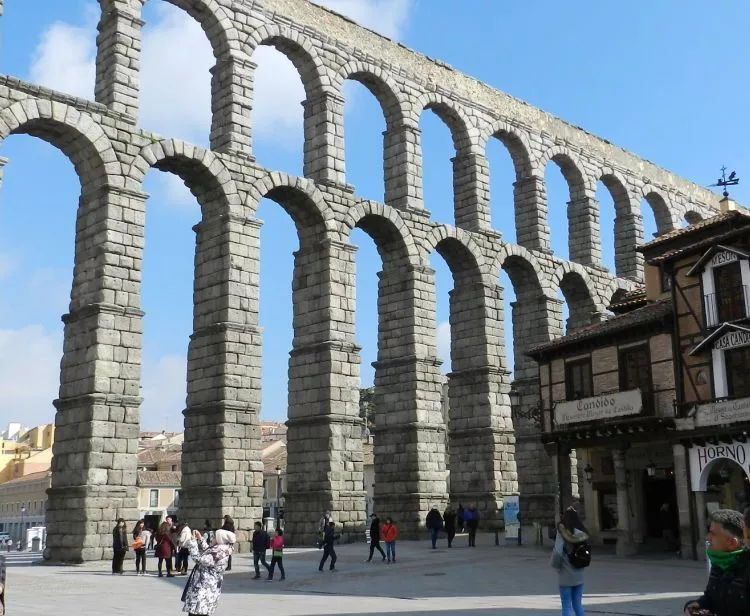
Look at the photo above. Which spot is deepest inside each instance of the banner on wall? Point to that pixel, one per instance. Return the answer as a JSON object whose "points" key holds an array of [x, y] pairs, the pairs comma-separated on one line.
{"points": [[702, 457], [511, 510]]}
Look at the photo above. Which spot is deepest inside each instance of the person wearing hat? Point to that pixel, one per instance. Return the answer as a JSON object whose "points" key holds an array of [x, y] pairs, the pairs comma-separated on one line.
{"points": [[203, 587], [434, 523], [375, 536]]}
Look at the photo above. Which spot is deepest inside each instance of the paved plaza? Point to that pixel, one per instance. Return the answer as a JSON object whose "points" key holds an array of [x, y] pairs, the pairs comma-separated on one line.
{"points": [[486, 580]]}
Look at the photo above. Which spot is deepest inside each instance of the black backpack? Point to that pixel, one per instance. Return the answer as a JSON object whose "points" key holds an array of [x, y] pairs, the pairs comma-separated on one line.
{"points": [[580, 556]]}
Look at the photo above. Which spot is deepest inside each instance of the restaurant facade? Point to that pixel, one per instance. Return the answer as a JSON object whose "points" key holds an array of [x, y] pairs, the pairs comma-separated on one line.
{"points": [[647, 413]]}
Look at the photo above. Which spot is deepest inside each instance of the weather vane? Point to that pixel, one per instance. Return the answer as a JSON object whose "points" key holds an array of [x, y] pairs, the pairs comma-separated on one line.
{"points": [[725, 181]]}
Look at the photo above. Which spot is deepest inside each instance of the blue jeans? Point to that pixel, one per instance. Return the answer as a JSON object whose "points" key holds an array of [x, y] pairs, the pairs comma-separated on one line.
{"points": [[433, 536], [570, 597], [390, 550]]}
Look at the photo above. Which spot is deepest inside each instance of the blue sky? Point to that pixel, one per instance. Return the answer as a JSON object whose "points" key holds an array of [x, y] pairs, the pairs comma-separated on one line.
{"points": [[665, 80]]}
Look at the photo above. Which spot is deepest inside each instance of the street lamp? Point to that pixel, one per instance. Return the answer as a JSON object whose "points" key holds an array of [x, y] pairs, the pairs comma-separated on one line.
{"points": [[23, 526], [589, 470], [651, 469], [278, 497], [532, 413]]}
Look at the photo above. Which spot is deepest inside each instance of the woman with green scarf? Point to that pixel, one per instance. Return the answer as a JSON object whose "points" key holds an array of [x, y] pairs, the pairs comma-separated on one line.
{"points": [[728, 589]]}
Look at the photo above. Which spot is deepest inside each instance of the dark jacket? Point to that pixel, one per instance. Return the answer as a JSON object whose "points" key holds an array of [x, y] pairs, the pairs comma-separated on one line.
{"points": [[449, 518], [119, 540], [471, 517], [329, 536], [260, 541], [728, 592], [375, 530], [434, 519]]}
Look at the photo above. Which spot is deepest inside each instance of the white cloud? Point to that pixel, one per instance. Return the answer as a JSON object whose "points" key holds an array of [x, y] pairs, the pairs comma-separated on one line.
{"points": [[65, 57], [176, 87], [177, 194], [164, 392], [444, 345], [29, 374], [9, 265]]}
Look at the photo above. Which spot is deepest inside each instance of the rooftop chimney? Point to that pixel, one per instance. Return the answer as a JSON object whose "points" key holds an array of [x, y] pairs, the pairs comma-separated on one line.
{"points": [[727, 205]]}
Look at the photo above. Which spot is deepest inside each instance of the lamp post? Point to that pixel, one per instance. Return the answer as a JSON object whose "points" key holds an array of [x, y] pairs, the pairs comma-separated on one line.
{"points": [[278, 497], [23, 526]]}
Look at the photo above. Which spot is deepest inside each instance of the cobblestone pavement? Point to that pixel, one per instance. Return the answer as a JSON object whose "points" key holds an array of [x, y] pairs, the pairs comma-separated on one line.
{"points": [[487, 580]]}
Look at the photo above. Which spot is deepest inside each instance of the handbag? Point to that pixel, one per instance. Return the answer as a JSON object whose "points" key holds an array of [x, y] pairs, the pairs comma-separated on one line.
{"points": [[187, 584], [137, 544]]}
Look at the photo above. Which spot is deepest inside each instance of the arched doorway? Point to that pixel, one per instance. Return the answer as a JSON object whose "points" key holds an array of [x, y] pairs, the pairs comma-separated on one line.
{"points": [[727, 486]]}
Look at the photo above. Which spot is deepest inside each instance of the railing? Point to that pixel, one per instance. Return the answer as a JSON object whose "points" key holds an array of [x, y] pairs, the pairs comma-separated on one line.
{"points": [[726, 305]]}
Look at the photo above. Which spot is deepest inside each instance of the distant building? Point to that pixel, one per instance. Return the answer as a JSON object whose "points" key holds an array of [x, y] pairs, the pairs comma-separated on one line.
{"points": [[23, 503]]}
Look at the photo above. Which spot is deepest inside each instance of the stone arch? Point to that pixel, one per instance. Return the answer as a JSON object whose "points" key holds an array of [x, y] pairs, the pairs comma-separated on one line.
{"points": [[452, 115], [628, 227], [526, 266], [661, 207], [218, 26], [459, 251], [380, 84], [572, 169], [202, 171], [80, 138], [371, 212], [300, 51], [300, 198], [578, 290], [692, 217], [517, 144]]}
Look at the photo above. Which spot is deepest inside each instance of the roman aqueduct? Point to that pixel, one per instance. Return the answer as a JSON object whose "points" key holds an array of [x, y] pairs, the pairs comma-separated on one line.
{"points": [[94, 466]]}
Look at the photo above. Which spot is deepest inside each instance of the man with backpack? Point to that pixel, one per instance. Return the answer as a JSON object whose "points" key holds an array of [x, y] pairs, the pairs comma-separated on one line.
{"points": [[261, 542], [570, 556]]}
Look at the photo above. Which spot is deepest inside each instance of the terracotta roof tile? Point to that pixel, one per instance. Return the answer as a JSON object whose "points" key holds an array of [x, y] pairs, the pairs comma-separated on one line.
{"points": [[640, 316], [159, 479], [740, 214]]}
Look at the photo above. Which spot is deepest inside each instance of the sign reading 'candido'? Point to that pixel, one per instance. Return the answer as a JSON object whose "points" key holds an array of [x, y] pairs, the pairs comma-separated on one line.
{"points": [[599, 407]]}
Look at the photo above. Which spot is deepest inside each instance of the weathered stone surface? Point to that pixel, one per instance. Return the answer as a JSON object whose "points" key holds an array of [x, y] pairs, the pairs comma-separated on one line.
{"points": [[490, 458]]}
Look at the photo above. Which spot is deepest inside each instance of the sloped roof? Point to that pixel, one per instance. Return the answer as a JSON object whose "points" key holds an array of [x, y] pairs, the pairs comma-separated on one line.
{"points": [[629, 300], [154, 456], [698, 267], [29, 477], [740, 214], [650, 313], [156, 479]]}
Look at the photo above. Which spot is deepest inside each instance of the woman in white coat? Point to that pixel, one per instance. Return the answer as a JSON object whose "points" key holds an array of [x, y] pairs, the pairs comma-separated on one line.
{"points": [[203, 587]]}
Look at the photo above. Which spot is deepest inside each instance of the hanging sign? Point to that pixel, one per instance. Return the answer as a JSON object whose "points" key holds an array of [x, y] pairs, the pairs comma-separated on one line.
{"points": [[702, 457], [599, 407], [730, 340], [724, 412]]}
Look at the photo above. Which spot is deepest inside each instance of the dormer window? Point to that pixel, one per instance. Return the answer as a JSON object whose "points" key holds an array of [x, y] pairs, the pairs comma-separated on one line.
{"points": [[725, 275]]}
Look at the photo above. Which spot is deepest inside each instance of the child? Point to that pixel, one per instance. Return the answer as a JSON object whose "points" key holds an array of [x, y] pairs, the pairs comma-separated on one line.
{"points": [[389, 533], [277, 555]]}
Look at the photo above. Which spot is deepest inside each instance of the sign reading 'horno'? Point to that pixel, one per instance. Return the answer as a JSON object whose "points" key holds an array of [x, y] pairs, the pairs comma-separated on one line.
{"points": [[618, 404]]}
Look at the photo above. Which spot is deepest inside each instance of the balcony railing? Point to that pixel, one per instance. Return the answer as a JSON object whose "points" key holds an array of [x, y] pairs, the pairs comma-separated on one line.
{"points": [[727, 305]]}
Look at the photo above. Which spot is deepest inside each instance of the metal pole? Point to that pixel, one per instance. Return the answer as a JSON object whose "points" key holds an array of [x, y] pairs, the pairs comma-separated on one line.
{"points": [[278, 497]]}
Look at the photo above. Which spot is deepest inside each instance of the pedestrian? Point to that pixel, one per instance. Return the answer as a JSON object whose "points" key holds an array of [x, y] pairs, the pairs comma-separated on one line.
{"points": [[164, 547], [9, 544], [141, 538], [184, 536], [460, 517], [667, 527], [471, 520], [324, 521], [228, 526], [728, 589], [389, 533], [119, 546], [203, 587], [329, 536], [571, 533], [375, 536], [449, 521], [277, 555], [747, 527], [434, 523], [261, 542], [2, 584]]}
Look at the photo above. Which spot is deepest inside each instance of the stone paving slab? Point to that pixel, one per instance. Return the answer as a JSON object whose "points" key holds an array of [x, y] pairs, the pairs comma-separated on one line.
{"points": [[485, 580]]}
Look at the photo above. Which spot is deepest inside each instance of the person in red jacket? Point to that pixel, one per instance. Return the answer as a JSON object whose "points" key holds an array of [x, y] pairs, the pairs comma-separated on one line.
{"points": [[164, 547], [277, 555], [389, 533]]}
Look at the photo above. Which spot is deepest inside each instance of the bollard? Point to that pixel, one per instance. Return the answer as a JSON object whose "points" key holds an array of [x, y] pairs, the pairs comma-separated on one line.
{"points": [[497, 538]]}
